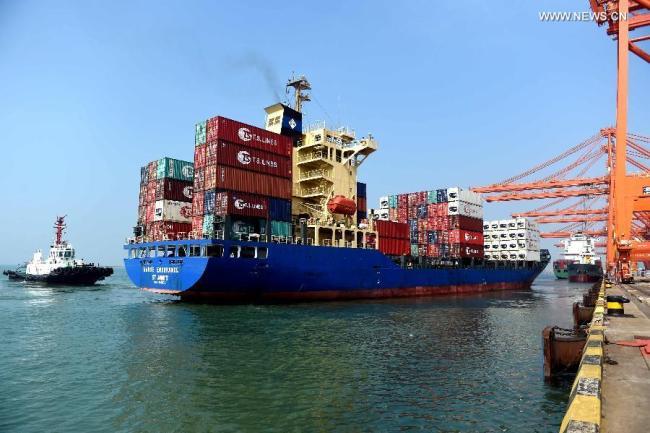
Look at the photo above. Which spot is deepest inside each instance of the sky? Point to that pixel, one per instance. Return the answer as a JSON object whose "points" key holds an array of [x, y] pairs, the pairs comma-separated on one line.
{"points": [[456, 93]]}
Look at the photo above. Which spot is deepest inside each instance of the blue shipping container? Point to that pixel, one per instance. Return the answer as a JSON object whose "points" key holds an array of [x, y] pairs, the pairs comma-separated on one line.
{"points": [[279, 210], [208, 202], [441, 195], [362, 215]]}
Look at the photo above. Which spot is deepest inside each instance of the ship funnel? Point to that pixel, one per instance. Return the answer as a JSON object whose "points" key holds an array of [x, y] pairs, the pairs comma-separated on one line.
{"points": [[284, 120]]}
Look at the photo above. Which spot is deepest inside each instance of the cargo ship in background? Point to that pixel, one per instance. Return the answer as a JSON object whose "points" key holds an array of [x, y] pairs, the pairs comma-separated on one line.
{"points": [[579, 263], [277, 214]]}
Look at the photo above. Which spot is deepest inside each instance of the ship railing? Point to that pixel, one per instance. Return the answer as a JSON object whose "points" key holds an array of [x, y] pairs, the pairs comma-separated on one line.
{"points": [[319, 124], [314, 156], [314, 191], [252, 237], [298, 241], [314, 174]]}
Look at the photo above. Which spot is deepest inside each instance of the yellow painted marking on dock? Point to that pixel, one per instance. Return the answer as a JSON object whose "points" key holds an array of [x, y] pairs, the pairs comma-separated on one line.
{"points": [[584, 410]]}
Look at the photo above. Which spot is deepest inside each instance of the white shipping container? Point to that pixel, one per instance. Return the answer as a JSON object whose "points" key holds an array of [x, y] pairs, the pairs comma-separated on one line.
{"points": [[459, 194], [383, 202], [465, 209], [173, 211], [527, 234], [526, 223], [528, 255], [381, 214]]}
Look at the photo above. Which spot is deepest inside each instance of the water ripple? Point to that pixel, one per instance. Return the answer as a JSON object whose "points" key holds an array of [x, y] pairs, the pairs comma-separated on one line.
{"points": [[112, 358]]}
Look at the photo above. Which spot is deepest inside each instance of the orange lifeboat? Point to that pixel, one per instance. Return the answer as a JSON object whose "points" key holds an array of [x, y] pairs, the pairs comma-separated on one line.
{"points": [[341, 205]]}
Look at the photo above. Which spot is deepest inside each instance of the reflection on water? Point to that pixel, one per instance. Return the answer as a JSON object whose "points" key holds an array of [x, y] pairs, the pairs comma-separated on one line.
{"points": [[113, 358]]}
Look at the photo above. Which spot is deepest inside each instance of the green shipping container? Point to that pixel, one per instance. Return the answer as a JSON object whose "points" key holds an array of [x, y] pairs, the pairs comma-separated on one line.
{"points": [[392, 201], [175, 169], [281, 228], [200, 133], [432, 197], [414, 250], [208, 225]]}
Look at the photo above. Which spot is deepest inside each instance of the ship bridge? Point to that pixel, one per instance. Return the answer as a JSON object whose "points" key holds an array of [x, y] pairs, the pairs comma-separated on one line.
{"points": [[325, 165]]}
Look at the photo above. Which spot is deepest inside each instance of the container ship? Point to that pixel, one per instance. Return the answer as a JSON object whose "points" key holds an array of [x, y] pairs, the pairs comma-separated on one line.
{"points": [[277, 214], [579, 263]]}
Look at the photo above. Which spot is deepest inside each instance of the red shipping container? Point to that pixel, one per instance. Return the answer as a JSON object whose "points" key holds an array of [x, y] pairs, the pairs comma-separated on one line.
{"points": [[173, 189], [233, 179], [167, 230], [466, 251], [199, 181], [151, 192], [248, 135], [394, 247], [197, 224], [237, 203], [197, 204], [465, 223], [199, 156], [466, 237], [390, 229], [149, 212], [247, 158]]}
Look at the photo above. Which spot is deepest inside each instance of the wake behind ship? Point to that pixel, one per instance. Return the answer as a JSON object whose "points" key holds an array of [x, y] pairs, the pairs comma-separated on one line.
{"points": [[277, 215]]}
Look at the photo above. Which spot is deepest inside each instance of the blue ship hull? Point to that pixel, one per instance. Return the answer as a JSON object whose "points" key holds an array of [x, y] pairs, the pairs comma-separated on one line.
{"points": [[269, 272]]}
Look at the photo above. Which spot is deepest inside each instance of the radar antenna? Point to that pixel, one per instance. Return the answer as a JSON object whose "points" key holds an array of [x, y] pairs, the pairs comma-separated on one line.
{"points": [[299, 84]]}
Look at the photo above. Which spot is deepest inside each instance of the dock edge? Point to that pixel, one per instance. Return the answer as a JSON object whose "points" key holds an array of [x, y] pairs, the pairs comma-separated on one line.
{"points": [[583, 414]]}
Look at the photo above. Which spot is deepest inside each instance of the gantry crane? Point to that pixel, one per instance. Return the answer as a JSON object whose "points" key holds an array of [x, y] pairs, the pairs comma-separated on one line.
{"points": [[627, 212], [625, 217], [630, 194]]}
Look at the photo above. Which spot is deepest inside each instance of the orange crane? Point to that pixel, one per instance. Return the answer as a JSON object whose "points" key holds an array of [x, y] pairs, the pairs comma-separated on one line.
{"points": [[625, 219], [629, 193]]}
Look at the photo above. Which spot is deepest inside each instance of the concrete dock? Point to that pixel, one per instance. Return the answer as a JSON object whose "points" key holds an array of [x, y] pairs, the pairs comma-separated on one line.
{"points": [[611, 391], [626, 371]]}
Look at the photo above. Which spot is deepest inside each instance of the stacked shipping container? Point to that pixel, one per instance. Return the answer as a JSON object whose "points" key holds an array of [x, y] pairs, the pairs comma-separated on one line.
{"points": [[512, 239], [443, 223], [243, 173], [165, 203], [362, 200], [393, 238]]}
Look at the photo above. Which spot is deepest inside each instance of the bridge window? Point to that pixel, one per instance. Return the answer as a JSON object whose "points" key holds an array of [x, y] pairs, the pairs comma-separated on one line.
{"points": [[151, 252], [171, 251], [182, 250], [234, 252], [162, 250], [195, 250], [143, 252], [248, 252], [214, 250]]}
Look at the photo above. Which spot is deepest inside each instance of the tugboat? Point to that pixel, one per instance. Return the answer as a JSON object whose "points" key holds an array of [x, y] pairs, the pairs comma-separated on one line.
{"points": [[60, 267], [579, 263]]}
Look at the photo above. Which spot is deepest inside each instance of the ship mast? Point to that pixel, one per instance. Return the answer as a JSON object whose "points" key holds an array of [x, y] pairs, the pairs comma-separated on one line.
{"points": [[299, 85], [59, 227]]}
